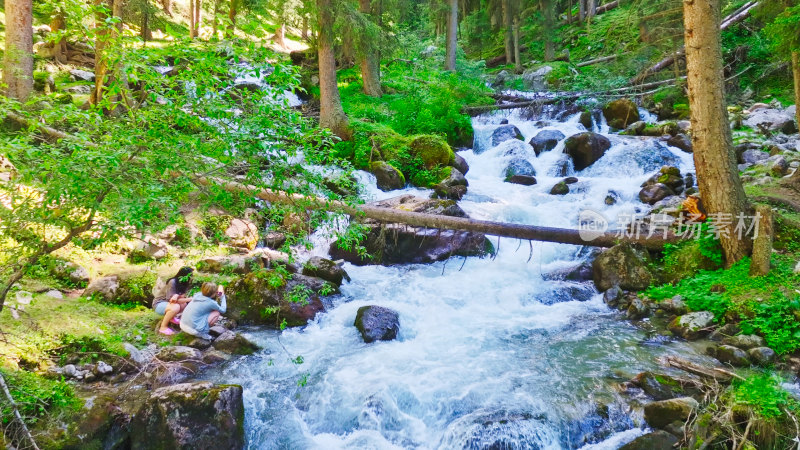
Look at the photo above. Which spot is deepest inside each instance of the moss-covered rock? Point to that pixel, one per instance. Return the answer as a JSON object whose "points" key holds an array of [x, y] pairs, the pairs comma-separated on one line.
{"points": [[684, 261], [432, 150], [621, 113], [387, 176], [622, 265]]}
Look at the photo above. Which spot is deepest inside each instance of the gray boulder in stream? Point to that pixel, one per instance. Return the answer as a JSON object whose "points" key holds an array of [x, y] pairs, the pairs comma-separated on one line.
{"points": [[586, 148], [377, 323], [546, 140], [505, 133], [622, 265], [389, 244]]}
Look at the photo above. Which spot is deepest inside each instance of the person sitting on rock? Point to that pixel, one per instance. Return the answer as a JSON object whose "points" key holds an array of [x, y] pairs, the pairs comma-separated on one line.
{"points": [[204, 311], [174, 300]]}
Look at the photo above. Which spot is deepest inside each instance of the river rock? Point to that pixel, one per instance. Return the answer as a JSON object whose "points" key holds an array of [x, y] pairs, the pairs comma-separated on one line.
{"points": [[762, 356], [376, 323], [519, 166], [191, 415], [546, 140], [560, 188], [693, 325], [612, 296], [662, 413], [777, 165], [769, 120], [621, 113], [82, 75], [535, 79], [388, 177], [250, 297], [586, 148], [105, 287], [681, 141], [234, 343], [461, 164], [674, 305], [744, 341], [179, 353], [219, 264], [754, 156], [242, 233], [656, 440], [505, 133], [501, 78], [102, 368], [523, 180], [326, 269], [637, 309], [622, 265], [651, 385], [655, 193], [732, 355], [401, 244], [635, 129]]}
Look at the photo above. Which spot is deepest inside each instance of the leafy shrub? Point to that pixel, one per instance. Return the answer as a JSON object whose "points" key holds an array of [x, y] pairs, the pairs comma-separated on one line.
{"points": [[36, 396], [763, 393], [775, 319]]}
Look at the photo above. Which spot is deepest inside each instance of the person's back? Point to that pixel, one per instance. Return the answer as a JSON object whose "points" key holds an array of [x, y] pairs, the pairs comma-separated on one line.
{"points": [[203, 311]]}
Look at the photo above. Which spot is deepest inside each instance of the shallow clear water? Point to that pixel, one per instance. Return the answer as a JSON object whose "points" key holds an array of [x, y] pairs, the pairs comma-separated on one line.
{"points": [[489, 355]]}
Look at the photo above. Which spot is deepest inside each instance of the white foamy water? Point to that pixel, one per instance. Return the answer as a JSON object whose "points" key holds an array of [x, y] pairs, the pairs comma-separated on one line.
{"points": [[490, 354]]}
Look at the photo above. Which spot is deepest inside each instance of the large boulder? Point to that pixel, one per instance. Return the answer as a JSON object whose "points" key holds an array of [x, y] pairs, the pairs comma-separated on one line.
{"points": [[546, 140], [265, 298], [461, 164], [621, 113], [401, 244], [656, 440], [242, 233], [432, 150], [651, 384], [662, 413], [732, 355], [536, 79], [190, 415], [693, 325], [387, 176], [744, 341], [376, 323], [586, 148], [519, 166], [769, 120], [104, 287], [70, 272], [326, 269], [505, 133], [234, 343], [654, 193], [681, 141], [622, 265]]}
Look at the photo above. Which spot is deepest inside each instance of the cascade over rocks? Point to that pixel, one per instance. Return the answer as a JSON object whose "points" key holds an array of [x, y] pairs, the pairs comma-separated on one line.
{"points": [[505, 133], [190, 415], [461, 164], [376, 323], [519, 166], [586, 148], [546, 140], [621, 113], [401, 244], [622, 265]]}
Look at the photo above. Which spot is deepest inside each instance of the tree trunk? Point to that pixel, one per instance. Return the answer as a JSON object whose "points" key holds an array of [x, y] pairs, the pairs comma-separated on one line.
{"points": [[714, 158], [452, 36], [369, 59], [58, 23], [18, 55], [145, 32], [232, 18], [198, 4], [591, 8], [101, 41], [304, 32], [191, 19], [167, 5], [581, 10], [215, 22], [796, 73], [569, 11], [508, 40], [517, 56], [280, 36], [546, 7], [331, 114], [762, 244]]}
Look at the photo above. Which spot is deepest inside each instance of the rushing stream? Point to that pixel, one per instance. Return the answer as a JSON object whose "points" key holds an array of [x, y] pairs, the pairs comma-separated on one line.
{"points": [[491, 353]]}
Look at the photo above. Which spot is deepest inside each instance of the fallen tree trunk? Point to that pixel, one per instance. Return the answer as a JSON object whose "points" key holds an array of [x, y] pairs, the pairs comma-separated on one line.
{"points": [[735, 17], [480, 109], [389, 215], [600, 10], [597, 60]]}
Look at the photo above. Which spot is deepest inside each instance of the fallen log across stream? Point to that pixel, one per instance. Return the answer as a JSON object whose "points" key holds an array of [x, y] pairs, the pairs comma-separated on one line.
{"points": [[390, 215]]}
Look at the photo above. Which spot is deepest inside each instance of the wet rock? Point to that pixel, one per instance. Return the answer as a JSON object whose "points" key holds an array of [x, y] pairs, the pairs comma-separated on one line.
{"points": [[586, 148], [213, 356], [251, 296], [674, 305], [754, 156], [522, 179], [401, 244], [654, 193], [725, 331], [457, 192], [621, 113], [732, 355], [178, 353], [693, 325], [535, 79], [70, 370], [681, 141], [623, 266], [651, 385], [234, 343], [102, 368], [612, 296], [199, 343], [570, 180], [242, 233], [505, 133], [326, 269], [376, 323], [274, 239], [637, 309], [662, 413], [611, 199], [635, 129], [546, 140], [461, 164], [105, 287], [762, 356], [519, 166], [560, 188], [190, 415], [656, 440], [581, 272], [744, 341], [586, 120], [387, 176]]}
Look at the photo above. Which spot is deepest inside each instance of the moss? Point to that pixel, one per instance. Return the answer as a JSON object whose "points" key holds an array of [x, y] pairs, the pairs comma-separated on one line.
{"points": [[433, 150]]}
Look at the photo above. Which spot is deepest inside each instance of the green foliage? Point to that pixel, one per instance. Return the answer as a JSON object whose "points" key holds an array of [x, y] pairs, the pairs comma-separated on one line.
{"points": [[776, 320], [783, 31], [764, 394], [36, 396], [685, 259], [214, 227]]}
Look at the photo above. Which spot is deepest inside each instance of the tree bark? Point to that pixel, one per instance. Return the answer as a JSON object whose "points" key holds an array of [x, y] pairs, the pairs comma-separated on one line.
{"points": [[546, 7], [369, 59], [796, 76], [58, 23], [714, 158], [232, 17], [215, 22], [167, 6], [191, 19], [508, 39], [581, 10], [517, 53], [591, 8], [280, 36], [101, 41], [762, 244], [331, 114], [452, 36], [145, 32], [304, 31], [18, 55], [198, 8]]}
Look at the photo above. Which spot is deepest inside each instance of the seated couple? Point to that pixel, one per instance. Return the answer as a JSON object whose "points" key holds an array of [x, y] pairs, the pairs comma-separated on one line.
{"points": [[198, 313]]}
